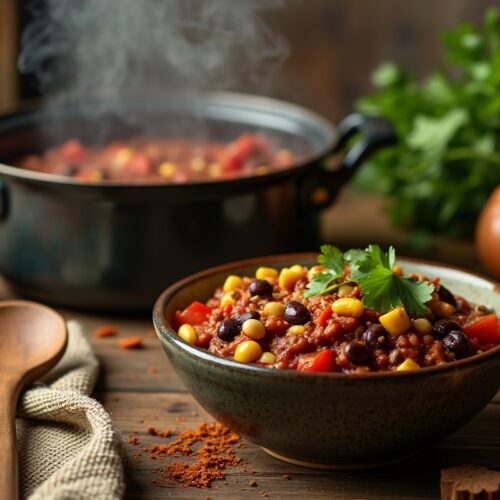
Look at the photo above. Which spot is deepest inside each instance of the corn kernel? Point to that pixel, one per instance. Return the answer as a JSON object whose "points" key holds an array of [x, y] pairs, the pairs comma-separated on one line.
{"points": [[267, 358], [347, 306], [167, 169], [186, 332], [443, 309], [266, 272], [232, 282], [345, 290], [215, 170], [296, 330], [122, 157], [261, 170], [314, 271], [288, 277], [197, 164], [248, 351], [274, 309], [422, 326], [254, 329], [407, 365], [297, 268], [395, 321], [226, 300]]}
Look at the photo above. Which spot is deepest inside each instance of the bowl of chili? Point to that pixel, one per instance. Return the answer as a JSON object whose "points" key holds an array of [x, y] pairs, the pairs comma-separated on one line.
{"points": [[344, 383]]}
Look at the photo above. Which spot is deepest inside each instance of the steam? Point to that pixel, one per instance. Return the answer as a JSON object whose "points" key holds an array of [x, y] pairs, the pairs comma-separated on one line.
{"points": [[102, 47]]}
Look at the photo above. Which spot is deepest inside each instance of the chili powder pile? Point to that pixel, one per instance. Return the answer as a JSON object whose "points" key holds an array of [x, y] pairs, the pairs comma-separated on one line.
{"points": [[209, 448]]}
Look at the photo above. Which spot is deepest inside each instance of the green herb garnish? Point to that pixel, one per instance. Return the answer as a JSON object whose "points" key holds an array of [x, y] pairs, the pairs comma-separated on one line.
{"points": [[448, 159], [332, 258], [372, 270]]}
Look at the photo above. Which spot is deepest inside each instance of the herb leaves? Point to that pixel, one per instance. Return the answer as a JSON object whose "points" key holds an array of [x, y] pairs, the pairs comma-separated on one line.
{"points": [[373, 271], [447, 162]]}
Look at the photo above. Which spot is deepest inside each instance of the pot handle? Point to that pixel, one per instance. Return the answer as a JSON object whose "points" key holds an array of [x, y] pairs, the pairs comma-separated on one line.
{"points": [[319, 189]]}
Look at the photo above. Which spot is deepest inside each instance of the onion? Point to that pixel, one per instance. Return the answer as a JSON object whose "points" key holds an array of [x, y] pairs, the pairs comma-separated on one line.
{"points": [[488, 234]]}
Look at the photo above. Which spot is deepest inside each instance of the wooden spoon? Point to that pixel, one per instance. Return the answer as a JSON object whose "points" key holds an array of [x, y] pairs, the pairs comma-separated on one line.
{"points": [[32, 340]]}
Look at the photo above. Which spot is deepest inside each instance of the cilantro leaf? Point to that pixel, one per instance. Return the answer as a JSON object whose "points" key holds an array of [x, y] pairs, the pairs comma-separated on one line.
{"points": [[373, 257], [332, 258], [384, 290], [380, 290], [415, 294], [319, 284]]}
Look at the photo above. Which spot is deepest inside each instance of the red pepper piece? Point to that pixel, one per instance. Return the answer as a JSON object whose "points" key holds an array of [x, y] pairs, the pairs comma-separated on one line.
{"points": [[325, 316], [238, 152], [486, 329], [195, 314], [323, 361]]}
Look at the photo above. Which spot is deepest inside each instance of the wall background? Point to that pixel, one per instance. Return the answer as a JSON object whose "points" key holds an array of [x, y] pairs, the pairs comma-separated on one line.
{"points": [[334, 45]]}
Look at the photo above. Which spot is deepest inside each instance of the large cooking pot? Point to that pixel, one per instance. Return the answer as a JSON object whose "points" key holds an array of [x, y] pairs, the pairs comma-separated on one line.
{"points": [[114, 247]]}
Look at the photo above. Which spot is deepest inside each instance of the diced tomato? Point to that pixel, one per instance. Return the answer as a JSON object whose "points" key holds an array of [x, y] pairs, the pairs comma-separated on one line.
{"points": [[486, 329], [73, 150], [139, 165], [238, 152], [195, 314], [325, 316], [322, 361]]}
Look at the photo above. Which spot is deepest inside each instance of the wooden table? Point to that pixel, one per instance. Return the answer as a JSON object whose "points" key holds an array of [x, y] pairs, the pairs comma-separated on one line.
{"points": [[139, 388]]}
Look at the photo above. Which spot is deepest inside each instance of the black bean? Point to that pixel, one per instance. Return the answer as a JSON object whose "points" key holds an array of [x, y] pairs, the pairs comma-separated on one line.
{"points": [[260, 287], [445, 295], [248, 315], [442, 327], [358, 353], [457, 343], [296, 313], [228, 329], [375, 336]]}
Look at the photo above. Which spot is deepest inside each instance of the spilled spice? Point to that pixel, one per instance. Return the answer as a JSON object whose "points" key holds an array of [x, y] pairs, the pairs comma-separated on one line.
{"points": [[209, 449], [106, 331], [132, 439], [165, 433], [131, 342]]}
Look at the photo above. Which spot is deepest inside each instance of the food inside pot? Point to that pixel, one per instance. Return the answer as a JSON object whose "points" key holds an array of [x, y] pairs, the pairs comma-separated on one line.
{"points": [[162, 160], [355, 312]]}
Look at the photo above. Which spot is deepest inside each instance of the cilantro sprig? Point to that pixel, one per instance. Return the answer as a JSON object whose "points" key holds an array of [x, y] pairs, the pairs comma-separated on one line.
{"points": [[372, 270]]}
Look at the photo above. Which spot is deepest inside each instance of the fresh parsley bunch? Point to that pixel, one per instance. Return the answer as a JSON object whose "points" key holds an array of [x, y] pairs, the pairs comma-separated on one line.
{"points": [[448, 160], [373, 271]]}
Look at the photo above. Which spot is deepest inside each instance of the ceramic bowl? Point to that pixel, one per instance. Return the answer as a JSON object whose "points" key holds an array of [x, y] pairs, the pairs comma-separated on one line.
{"points": [[332, 420]]}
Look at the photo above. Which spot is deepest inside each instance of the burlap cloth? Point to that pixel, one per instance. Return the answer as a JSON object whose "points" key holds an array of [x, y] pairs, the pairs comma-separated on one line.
{"points": [[68, 448]]}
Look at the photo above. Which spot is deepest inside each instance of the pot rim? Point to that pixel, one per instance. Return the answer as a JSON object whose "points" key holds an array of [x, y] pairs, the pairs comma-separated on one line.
{"points": [[256, 103], [166, 332]]}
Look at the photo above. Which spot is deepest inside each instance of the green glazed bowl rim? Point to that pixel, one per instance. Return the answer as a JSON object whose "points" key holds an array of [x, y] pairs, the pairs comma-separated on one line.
{"points": [[167, 333]]}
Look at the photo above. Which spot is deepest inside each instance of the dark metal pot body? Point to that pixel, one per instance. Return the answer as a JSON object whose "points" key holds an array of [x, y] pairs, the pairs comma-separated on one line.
{"points": [[114, 247]]}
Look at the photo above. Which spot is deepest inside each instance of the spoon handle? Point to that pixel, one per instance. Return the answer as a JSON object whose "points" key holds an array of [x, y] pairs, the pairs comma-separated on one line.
{"points": [[8, 452]]}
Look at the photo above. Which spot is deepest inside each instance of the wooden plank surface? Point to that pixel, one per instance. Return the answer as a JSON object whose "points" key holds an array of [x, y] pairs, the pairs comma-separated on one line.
{"points": [[478, 442]]}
